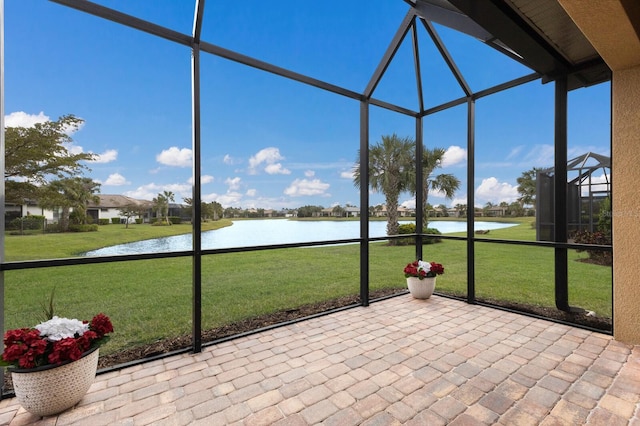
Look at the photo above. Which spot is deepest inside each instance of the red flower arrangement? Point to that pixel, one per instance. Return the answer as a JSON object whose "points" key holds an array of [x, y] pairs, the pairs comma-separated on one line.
{"points": [[54, 342], [421, 269]]}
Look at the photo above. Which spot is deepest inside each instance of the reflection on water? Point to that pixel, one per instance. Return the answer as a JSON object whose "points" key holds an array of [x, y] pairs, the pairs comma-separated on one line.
{"points": [[265, 232]]}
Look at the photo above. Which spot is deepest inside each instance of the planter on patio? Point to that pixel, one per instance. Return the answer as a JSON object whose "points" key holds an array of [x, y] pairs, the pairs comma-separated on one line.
{"points": [[421, 288], [51, 389]]}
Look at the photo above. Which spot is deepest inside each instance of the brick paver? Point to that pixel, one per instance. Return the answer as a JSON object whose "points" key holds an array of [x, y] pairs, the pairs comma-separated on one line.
{"points": [[398, 361]]}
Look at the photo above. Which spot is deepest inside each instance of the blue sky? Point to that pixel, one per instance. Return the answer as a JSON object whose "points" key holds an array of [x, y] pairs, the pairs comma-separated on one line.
{"points": [[269, 142]]}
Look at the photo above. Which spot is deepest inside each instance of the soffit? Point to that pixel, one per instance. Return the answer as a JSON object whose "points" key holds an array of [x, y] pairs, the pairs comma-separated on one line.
{"points": [[538, 33]]}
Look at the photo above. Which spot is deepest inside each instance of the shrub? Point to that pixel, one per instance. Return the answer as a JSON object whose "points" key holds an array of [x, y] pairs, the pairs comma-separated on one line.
{"points": [[83, 228], [103, 221], [599, 238], [410, 228], [33, 222], [115, 220], [138, 221], [53, 228], [432, 231], [175, 220]]}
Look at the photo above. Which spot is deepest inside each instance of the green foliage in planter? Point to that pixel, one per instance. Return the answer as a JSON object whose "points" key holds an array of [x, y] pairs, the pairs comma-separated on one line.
{"points": [[115, 220], [103, 222]]}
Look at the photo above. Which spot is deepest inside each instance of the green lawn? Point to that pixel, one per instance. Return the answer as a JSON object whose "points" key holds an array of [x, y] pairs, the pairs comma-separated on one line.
{"points": [[151, 299]]}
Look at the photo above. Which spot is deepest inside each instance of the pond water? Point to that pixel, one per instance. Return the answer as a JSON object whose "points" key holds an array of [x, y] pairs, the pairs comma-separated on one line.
{"points": [[245, 233]]}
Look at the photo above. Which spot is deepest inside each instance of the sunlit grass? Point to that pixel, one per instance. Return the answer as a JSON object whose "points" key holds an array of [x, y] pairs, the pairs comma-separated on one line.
{"points": [[151, 299]]}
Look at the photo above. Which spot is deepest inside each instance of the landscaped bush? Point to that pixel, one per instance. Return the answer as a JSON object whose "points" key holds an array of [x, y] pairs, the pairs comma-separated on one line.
{"points": [[83, 228], [103, 221], [52, 228], [410, 228], [115, 220], [175, 220], [138, 221], [431, 231], [599, 238], [33, 222]]}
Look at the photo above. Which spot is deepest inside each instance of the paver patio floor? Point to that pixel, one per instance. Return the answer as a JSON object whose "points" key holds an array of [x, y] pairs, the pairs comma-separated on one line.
{"points": [[398, 361]]}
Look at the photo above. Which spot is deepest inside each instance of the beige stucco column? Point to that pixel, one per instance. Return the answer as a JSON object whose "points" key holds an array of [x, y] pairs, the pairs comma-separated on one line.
{"points": [[608, 25]]}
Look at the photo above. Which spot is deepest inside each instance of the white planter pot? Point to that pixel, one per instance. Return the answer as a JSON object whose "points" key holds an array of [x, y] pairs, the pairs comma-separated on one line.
{"points": [[49, 390], [421, 288]]}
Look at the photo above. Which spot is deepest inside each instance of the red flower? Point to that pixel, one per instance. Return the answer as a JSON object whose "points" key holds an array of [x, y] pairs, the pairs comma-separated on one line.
{"points": [[101, 324], [26, 348], [423, 269]]}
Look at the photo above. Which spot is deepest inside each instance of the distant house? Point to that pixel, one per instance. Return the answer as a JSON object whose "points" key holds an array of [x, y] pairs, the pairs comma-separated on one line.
{"points": [[352, 211], [109, 207], [402, 211]]}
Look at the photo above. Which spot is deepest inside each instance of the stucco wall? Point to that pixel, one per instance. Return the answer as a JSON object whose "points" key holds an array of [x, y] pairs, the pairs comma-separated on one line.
{"points": [[626, 204], [609, 28]]}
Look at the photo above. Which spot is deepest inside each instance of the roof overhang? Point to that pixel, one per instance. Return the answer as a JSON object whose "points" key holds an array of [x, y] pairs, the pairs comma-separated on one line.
{"points": [[537, 33]]}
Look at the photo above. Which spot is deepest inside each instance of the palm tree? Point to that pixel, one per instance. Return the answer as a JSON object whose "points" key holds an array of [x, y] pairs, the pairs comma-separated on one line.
{"points": [[390, 166], [168, 196], [445, 183], [70, 194]]}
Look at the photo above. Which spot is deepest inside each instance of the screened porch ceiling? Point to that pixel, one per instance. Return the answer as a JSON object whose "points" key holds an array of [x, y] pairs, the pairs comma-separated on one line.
{"points": [[537, 33]]}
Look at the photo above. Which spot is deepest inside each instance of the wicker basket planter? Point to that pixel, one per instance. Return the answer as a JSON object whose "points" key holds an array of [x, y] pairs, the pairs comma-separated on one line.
{"points": [[49, 390]]}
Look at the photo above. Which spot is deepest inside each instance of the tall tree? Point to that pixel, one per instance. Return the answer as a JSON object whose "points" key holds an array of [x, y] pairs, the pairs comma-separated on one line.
{"points": [[132, 209], [390, 171], [159, 205], [35, 155], [169, 197], [445, 183], [527, 187], [69, 194]]}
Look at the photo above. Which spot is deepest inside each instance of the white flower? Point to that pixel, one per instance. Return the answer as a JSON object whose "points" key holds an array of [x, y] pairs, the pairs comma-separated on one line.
{"points": [[424, 266], [61, 328]]}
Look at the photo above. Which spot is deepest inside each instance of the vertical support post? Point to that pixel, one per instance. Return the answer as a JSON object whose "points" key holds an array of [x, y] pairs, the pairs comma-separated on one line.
{"points": [[471, 161], [2, 189], [560, 194], [420, 182], [364, 203], [197, 184]]}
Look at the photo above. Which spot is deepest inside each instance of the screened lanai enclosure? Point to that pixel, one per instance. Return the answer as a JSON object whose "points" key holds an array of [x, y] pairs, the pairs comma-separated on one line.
{"points": [[588, 196], [276, 106]]}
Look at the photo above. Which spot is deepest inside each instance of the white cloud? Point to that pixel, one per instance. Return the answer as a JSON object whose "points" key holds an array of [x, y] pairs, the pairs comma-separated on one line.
{"points": [[22, 119], [599, 183], [492, 190], [269, 157], [151, 190], [347, 174], [300, 187], [251, 192], [227, 159], [276, 169], [106, 157], [454, 155], [203, 179], [456, 201], [309, 173], [116, 179], [515, 152], [175, 157], [229, 199], [409, 204], [234, 183], [540, 156]]}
